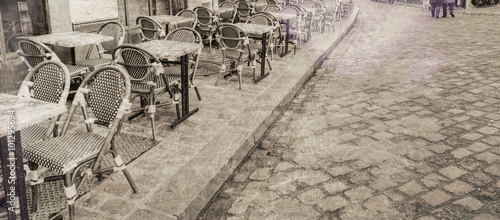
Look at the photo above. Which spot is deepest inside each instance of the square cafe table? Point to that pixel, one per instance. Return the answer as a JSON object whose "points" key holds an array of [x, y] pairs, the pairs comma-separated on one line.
{"points": [[264, 31], [171, 51], [285, 18], [71, 40], [17, 113], [170, 22]]}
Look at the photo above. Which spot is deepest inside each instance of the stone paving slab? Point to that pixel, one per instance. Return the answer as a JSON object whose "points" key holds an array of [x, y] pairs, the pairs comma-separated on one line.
{"points": [[180, 175]]}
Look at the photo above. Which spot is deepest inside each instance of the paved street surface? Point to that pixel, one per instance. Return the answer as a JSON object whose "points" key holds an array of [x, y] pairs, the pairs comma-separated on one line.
{"points": [[401, 122]]}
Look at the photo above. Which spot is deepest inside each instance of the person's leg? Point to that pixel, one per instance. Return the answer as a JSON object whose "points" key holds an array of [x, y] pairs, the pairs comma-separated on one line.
{"points": [[444, 9], [452, 5], [438, 9], [433, 8]]}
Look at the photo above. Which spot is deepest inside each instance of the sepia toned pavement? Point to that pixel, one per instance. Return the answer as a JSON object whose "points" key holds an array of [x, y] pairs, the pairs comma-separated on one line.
{"points": [[401, 122], [180, 175]]}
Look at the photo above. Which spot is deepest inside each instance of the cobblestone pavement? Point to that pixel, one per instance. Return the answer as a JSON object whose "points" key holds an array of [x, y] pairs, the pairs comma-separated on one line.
{"points": [[401, 122]]}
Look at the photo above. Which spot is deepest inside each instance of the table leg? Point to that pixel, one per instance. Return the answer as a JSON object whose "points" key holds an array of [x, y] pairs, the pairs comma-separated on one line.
{"points": [[287, 38], [263, 73], [184, 92], [12, 169], [73, 56]]}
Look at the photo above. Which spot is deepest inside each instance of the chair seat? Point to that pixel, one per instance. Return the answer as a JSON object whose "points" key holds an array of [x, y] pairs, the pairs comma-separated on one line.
{"points": [[94, 63], [144, 88], [76, 70], [65, 152], [32, 134]]}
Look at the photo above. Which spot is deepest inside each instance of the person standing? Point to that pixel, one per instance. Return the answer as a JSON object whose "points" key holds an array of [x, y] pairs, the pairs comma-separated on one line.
{"points": [[435, 7], [449, 3]]}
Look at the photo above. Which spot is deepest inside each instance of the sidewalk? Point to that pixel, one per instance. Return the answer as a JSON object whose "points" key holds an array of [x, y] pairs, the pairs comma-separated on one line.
{"points": [[181, 174]]}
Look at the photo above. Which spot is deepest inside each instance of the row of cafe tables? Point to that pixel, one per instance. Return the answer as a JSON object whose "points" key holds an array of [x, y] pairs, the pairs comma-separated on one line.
{"points": [[165, 50]]}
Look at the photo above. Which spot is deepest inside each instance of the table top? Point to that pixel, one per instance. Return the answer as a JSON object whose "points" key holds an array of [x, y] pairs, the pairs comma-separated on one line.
{"points": [[255, 28], [170, 19], [283, 16], [170, 50], [72, 39], [27, 111]]}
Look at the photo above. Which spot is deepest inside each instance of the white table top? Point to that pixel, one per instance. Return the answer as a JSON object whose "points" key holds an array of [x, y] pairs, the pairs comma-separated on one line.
{"points": [[72, 39], [27, 111], [255, 28], [170, 50]]}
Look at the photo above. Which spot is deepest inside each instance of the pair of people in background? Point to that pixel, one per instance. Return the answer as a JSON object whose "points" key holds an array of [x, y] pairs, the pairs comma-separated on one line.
{"points": [[436, 7]]}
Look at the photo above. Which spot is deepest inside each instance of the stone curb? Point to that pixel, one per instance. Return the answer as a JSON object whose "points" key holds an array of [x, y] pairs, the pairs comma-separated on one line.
{"points": [[204, 196]]}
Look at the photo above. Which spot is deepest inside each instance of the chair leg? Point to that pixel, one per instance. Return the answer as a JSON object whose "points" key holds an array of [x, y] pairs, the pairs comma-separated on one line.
{"points": [[176, 100], [222, 70], [34, 189], [152, 110], [71, 194], [240, 69], [197, 92]]}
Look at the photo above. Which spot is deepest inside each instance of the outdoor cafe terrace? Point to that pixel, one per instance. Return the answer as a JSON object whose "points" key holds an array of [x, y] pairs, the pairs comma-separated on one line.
{"points": [[195, 149]]}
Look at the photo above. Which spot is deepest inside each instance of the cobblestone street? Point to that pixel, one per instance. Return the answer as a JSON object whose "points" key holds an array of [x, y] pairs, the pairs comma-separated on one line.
{"points": [[401, 122]]}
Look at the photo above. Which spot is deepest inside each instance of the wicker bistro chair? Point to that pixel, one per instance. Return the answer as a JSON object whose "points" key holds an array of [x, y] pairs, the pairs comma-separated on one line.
{"points": [[227, 17], [188, 14], [234, 45], [172, 71], [33, 52], [148, 80], [295, 26], [207, 22], [77, 155], [150, 29], [48, 81], [263, 19], [244, 10], [112, 28], [317, 19], [278, 38]]}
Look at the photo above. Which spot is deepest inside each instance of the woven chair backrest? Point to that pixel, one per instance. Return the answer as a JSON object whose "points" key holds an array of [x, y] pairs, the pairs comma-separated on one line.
{"points": [[187, 35], [260, 19], [33, 52], [272, 8], [307, 4], [136, 61], [231, 37], [244, 8], [272, 2], [149, 28], [228, 16], [50, 82], [106, 93], [205, 16], [11, 42], [186, 13], [114, 29]]}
